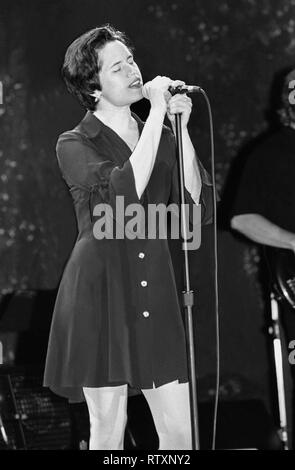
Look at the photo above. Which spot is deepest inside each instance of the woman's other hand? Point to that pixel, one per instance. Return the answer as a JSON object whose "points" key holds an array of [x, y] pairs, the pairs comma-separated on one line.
{"points": [[179, 104]]}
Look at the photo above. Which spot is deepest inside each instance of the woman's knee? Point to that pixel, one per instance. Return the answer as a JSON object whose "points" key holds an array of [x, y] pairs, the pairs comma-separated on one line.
{"points": [[108, 417], [175, 437], [107, 404], [170, 408]]}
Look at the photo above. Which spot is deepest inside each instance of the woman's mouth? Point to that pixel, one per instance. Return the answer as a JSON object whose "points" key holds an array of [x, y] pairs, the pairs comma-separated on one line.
{"points": [[136, 83]]}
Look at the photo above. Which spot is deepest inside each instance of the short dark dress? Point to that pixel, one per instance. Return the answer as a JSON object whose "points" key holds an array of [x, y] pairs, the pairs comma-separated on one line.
{"points": [[116, 318]]}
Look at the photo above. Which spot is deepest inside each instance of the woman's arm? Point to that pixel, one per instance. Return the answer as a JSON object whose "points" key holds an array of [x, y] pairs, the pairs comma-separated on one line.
{"points": [[192, 177], [193, 182], [144, 155]]}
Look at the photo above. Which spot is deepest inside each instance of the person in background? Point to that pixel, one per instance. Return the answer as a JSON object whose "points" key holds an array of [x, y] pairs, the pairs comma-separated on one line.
{"points": [[264, 209]]}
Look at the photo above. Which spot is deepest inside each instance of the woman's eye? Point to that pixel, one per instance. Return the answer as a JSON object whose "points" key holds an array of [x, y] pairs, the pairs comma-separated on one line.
{"points": [[117, 70], [131, 60]]}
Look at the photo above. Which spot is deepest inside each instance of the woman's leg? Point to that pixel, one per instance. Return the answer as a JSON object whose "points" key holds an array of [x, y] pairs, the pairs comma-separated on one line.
{"points": [[170, 407], [107, 407]]}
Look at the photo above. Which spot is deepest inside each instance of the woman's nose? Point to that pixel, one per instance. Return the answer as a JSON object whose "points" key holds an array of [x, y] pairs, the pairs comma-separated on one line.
{"points": [[130, 69]]}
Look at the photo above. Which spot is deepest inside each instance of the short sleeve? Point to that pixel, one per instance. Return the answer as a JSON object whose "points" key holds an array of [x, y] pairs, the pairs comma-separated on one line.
{"points": [[83, 166], [254, 187]]}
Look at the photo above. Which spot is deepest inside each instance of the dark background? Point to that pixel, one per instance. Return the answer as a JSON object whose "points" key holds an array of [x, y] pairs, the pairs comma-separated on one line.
{"points": [[232, 49]]}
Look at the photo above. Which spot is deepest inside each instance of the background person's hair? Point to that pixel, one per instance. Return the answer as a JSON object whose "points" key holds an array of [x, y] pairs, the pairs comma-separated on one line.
{"points": [[81, 66], [286, 109]]}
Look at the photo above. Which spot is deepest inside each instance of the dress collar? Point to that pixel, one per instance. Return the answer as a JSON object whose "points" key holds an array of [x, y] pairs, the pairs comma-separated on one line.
{"points": [[92, 126]]}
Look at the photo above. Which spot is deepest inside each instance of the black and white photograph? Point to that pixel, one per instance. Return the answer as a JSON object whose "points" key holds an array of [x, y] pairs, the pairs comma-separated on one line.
{"points": [[147, 228]]}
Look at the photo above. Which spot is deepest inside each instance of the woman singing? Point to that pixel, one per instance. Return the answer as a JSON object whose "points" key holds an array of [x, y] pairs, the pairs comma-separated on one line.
{"points": [[117, 320]]}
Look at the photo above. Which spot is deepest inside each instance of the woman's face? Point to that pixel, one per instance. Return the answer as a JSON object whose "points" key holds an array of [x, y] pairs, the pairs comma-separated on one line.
{"points": [[120, 77]]}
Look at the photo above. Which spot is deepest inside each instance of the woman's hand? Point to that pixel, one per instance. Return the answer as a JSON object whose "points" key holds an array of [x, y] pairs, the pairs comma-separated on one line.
{"points": [[156, 91], [182, 104]]}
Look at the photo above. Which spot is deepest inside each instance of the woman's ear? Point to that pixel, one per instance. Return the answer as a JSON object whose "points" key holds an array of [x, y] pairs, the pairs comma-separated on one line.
{"points": [[96, 94]]}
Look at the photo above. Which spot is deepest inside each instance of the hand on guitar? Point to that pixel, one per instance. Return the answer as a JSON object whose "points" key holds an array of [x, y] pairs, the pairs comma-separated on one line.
{"points": [[281, 264]]}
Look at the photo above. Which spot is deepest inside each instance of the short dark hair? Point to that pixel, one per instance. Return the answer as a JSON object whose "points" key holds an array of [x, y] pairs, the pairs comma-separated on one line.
{"points": [[81, 66], [287, 109]]}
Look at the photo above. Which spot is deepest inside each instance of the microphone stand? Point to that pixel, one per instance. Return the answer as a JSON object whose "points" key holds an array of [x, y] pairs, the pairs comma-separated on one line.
{"points": [[188, 295], [274, 330]]}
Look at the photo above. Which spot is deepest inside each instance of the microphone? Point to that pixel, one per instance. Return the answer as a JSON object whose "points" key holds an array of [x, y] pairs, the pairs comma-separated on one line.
{"points": [[184, 89], [177, 89]]}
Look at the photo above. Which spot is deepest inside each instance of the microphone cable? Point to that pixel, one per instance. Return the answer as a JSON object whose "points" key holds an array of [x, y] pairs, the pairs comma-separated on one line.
{"points": [[217, 328]]}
